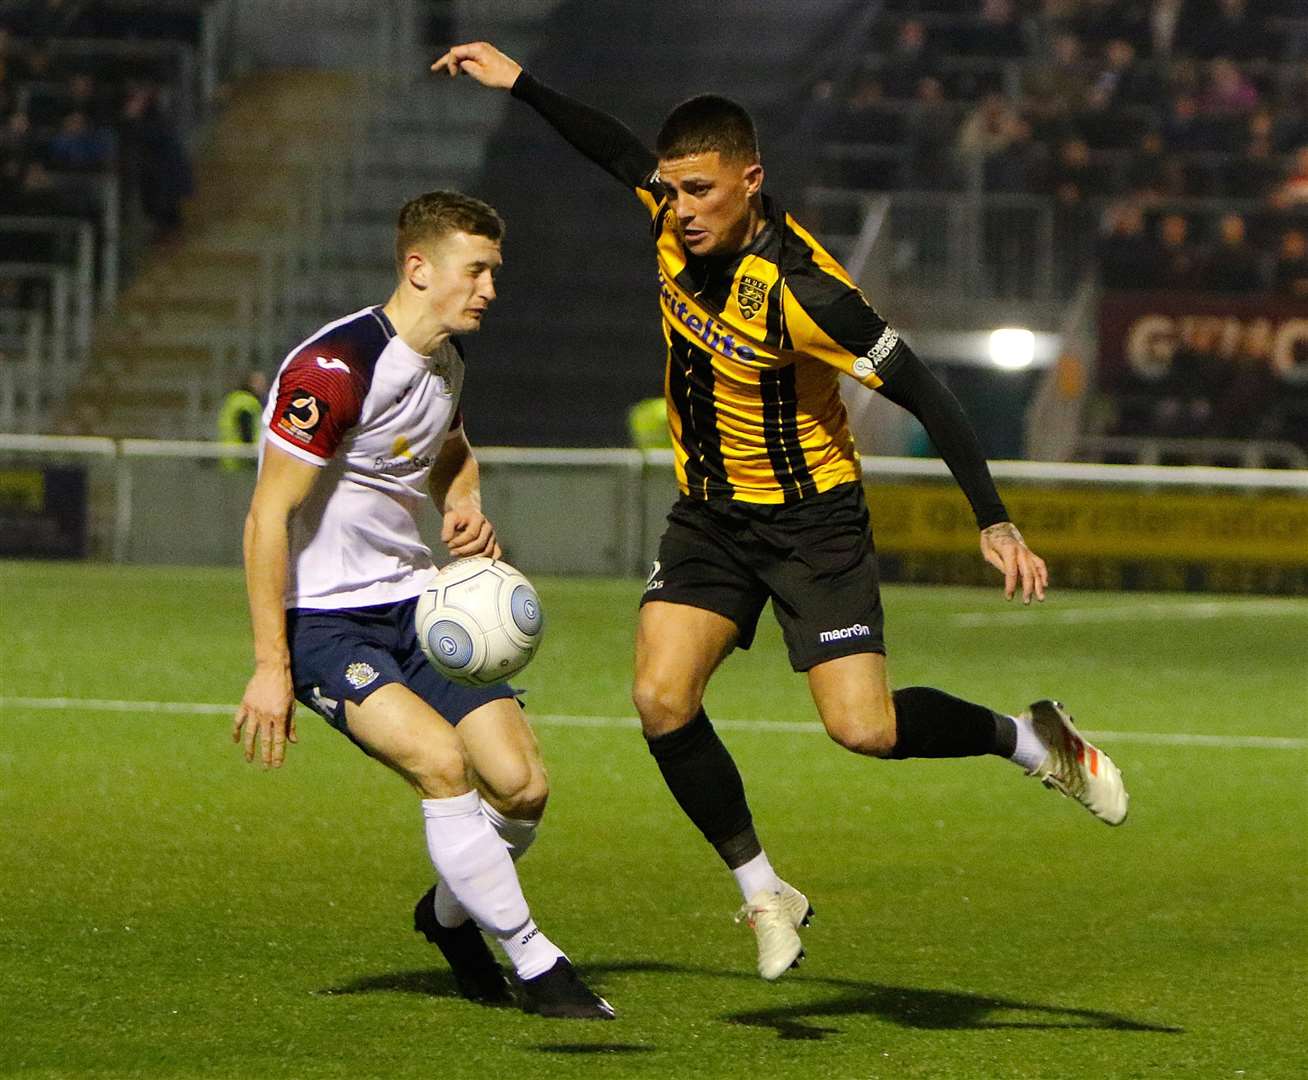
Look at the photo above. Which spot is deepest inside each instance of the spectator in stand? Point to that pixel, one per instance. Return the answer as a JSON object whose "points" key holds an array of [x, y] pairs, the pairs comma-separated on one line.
{"points": [[1163, 22], [1188, 129], [1232, 265], [998, 33], [1256, 173], [1121, 80], [1229, 91], [866, 118], [86, 96], [1126, 253], [930, 133], [1213, 28], [1019, 166], [1292, 192], [1175, 262], [154, 160], [988, 128], [1054, 90], [1074, 179], [79, 147], [909, 60], [1290, 276]]}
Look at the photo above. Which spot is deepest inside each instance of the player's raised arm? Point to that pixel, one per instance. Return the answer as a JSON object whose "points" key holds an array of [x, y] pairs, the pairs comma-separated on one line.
{"points": [[602, 138]]}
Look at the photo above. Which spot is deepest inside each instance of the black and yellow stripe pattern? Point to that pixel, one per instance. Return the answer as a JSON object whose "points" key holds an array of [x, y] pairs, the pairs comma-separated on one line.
{"points": [[755, 348]]}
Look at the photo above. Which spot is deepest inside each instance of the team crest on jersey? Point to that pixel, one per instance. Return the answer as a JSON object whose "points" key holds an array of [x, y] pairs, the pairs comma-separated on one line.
{"points": [[360, 674], [303, 416], [750, 294]]}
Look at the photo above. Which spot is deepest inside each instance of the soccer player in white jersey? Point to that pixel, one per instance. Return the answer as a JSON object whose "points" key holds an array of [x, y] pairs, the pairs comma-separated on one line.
{"points": [[362, 426]]}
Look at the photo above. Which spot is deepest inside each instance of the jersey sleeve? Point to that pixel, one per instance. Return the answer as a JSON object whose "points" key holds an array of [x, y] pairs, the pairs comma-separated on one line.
{"points": [[604, 139], [319, 398], [456, 424], [829, 319]]}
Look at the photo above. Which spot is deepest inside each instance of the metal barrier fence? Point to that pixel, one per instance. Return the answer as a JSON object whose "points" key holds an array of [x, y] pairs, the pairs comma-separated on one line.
{"points": [[601, 511]]}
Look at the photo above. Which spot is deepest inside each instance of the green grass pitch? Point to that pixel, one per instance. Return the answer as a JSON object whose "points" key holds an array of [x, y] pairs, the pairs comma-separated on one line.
{"points": [[168, 911]]}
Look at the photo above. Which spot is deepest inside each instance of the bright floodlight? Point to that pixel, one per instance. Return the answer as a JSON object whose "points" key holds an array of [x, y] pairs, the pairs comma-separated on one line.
{"points": [[1012, 348]]}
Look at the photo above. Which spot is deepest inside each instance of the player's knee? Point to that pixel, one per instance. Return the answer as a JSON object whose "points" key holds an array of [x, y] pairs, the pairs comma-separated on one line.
{"points": [[663, 705], [525, 793], [438, 771], [864, 730]]}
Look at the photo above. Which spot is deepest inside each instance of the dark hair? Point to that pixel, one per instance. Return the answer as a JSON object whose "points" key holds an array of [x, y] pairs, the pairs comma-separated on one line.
{"points": [[430, 218], [707, 123]]}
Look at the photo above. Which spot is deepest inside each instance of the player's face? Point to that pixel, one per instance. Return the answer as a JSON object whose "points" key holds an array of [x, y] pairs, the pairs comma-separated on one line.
{"points": [[712, 199], [457, 280]]}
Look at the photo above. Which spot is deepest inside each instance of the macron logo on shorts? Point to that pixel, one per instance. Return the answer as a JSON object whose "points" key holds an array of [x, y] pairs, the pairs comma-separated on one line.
{"points": [[844, 633]]}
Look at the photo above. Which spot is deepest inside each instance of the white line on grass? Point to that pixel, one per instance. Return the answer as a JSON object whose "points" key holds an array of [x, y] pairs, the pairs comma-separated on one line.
{"points": [[199, 708], [1129, 612]]}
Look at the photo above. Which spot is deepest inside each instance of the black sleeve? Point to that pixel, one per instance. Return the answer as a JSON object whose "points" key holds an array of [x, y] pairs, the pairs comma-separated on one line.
{"points": [[606, 141], [910, 385]]}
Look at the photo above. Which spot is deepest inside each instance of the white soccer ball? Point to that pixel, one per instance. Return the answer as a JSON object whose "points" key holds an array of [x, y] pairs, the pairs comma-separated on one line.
{"points": [[479, 621]]}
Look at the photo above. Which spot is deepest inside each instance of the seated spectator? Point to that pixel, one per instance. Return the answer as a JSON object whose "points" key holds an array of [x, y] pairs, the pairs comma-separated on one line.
{"points": [[1054, 89], [910, 59], [1255, 174], [986, 130], [1175, 261], [87, 97], [929, 132], [1290, 276], [1292, 192], [999, 32], [1073, 179], [1121, 80], [1126, 254], [79, 147], [866, 119], [1228, 91], [1020, 166], [1232, 265]]}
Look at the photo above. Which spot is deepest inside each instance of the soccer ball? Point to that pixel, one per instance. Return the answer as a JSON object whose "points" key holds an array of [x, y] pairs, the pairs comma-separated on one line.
{"points": [[478, 621]]}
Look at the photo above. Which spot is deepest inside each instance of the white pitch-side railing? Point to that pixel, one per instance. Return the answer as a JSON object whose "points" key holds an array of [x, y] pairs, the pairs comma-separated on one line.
{"points": [[625, 491]]}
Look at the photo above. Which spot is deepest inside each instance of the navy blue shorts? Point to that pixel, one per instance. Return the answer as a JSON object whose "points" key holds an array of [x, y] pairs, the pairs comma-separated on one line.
{"points": [[344, 655]]}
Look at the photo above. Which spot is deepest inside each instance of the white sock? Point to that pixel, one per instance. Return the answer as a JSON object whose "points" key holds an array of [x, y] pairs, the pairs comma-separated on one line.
{"points": [[474, 863], [518, 835], [530, 952], [1030, 751], [757, 876]]}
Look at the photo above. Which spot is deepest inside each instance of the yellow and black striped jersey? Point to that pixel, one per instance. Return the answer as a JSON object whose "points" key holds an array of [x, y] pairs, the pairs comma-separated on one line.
{"points": [[757, 341], [756, 345]]}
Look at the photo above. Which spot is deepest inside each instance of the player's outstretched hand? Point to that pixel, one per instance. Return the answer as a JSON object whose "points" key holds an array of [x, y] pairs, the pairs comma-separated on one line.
{"points": [[1005, 550], [483, 62], [467, 532], [266, 715]]}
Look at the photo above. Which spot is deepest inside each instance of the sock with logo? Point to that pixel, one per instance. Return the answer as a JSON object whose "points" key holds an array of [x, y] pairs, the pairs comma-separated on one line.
{"points": [[932, 724], [518, 835], [705, 782], [529, 951]]}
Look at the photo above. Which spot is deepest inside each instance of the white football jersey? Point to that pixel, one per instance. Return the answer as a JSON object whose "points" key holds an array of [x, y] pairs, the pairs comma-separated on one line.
{"points": [[356, 401]]}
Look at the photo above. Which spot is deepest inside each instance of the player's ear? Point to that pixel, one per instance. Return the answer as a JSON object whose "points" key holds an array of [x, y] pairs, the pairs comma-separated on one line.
{"points": [[753, 178], [417, 270]]}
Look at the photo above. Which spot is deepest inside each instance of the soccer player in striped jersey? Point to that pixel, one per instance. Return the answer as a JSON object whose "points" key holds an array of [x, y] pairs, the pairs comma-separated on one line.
{"points": [[362, 427], [760, 322]]}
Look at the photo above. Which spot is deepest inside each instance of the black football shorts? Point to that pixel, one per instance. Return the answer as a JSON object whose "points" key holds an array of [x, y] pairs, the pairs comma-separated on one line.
{"points": [[814, 559]]}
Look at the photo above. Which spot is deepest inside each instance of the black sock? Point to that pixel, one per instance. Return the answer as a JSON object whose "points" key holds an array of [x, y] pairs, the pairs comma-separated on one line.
{"points": [[932, 724], [706, 784]]}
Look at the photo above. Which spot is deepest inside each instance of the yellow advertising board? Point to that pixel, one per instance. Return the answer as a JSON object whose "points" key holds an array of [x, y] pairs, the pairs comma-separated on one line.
{"points": [[1113, 539]]}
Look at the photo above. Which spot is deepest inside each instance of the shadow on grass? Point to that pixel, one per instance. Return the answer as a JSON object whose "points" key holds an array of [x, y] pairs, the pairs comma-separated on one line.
{"points": [[937, 1010]]}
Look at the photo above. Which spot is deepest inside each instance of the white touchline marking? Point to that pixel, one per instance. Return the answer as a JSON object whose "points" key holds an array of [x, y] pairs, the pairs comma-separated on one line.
{"points": [[1127, 612], [785, 727]]}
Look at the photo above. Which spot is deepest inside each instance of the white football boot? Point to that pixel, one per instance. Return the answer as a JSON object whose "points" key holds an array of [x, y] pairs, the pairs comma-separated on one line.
{"points": [[1075, 767], [775, 918]]}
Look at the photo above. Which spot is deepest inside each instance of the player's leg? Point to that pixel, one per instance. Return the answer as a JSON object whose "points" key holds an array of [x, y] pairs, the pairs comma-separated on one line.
{"points": [[859, 712], [401, 730]]}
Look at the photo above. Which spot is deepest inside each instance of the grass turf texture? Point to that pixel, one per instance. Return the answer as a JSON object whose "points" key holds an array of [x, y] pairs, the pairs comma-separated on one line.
{"points": [[168, 911]]}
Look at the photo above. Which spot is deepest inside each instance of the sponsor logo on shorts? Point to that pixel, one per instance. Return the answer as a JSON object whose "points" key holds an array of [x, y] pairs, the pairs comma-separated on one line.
{"points": [[654, 581], [844, 633], [360, 674]]}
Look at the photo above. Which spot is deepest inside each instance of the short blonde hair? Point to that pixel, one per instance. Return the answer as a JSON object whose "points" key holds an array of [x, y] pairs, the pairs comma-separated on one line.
{"points": [[426, 220]]}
